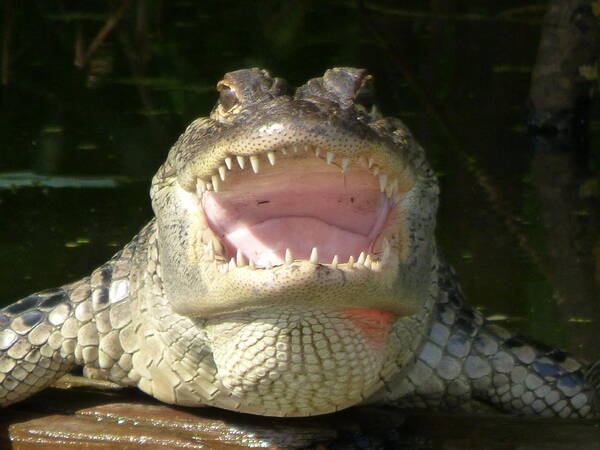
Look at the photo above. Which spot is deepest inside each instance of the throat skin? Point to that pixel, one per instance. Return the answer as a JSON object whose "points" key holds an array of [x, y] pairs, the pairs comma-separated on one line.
{"points": [[289, 361]]}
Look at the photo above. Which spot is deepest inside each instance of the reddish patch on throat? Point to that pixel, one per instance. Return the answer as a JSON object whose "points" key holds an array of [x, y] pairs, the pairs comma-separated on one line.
{"points": [[373, 323]]}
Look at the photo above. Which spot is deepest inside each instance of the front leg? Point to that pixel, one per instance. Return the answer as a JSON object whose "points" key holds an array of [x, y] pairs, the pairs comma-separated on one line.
{"points": [[467, 360], [86, 323], [529, 377], [38, 336]]}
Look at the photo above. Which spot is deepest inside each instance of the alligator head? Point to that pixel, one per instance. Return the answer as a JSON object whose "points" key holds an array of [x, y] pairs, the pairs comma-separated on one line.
{"points": [[282, 205]]}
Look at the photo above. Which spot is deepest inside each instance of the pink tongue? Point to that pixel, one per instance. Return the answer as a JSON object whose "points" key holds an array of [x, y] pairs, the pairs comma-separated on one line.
{"points": [[265, 243]]}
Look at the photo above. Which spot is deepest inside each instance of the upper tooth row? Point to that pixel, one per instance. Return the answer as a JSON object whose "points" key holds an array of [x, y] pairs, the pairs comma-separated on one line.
{"points": [[387, 185]]}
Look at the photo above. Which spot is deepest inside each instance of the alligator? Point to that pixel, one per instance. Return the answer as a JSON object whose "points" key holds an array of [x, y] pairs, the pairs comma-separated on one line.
{"points": [[291, 269]]}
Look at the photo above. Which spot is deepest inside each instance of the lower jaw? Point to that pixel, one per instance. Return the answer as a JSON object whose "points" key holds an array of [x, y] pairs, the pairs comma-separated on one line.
{"points": [[290, 362], [300, 285]]}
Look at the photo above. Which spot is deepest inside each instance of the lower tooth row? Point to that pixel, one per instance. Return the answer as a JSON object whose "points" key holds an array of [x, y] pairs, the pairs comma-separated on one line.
{"points": [[364, 260]]}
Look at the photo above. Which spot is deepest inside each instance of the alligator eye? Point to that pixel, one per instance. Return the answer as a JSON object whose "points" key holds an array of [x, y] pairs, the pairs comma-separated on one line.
{"points": [[227, 96]]}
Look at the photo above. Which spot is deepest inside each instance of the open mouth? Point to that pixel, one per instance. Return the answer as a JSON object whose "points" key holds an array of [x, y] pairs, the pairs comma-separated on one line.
{"points": [[299, 202]]}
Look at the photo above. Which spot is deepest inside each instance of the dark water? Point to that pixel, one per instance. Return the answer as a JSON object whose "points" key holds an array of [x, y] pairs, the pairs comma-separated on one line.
{"points": [[457, 72]]}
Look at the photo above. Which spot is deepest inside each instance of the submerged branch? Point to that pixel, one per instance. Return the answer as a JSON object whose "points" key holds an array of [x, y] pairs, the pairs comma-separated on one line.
{"points": [[110, 24]]}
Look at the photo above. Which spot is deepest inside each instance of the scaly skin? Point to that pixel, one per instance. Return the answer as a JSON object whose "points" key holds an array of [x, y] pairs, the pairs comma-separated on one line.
{"points": [[182, 316]]}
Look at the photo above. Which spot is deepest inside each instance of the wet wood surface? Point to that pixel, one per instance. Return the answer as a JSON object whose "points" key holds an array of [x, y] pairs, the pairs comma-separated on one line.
{"points": [[127, 419]]}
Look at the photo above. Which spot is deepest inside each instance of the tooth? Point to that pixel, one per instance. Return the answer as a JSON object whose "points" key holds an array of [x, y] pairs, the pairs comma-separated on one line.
{"points": [[386, 250], [376, 170], [306, 147], [370, 162], [345, 164], [271, 158], [211, 250], [391, 188], [240, 259], [376, 266], [283, 151], [334, 263], [296, 148], [329, 157], [361, 258], [232, 264], [317, 152], [351, 262], [215, 183], [251, 264], [208, 187], [314, 256], [382, 182], [368, 261], [228, 163], [396, 198], [222, 172], [255, 164], [388, 190], [288, 256], [200, 186], [216, 245], [241, 161]]}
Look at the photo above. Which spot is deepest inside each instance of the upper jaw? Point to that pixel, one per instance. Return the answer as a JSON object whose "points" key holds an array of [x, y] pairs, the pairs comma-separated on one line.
{"points": [[292, 137], [289, 125]]}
